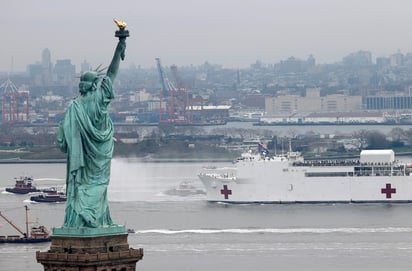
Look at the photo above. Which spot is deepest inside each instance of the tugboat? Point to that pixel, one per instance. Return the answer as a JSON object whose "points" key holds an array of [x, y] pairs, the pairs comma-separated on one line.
{"points": [[23, 185], [38, 234]]}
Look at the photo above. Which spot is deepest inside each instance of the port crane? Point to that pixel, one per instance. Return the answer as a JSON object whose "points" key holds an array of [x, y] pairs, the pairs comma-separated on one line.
{"points": [[15, 103], [167, 85], [178, 98]]}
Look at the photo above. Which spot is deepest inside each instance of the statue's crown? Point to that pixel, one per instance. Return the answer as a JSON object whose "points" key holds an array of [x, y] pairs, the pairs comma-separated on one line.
{"points": [[89, 76]]}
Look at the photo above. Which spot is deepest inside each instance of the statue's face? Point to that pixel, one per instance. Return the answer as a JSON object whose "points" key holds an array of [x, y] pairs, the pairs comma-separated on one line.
{"points": [[85, 86]]}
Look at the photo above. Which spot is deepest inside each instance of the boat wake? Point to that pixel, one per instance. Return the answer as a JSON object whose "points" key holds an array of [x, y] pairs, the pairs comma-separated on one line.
{"points": [[48, 179], [280, 230], [10, 193]]}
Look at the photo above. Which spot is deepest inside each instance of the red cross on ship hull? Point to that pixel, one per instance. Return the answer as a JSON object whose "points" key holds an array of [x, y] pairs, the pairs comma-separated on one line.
{"points": [[226, 191], [388, 190]]}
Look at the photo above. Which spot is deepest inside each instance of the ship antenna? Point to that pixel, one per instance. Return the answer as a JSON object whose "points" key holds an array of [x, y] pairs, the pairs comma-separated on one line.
{"points": [[290, 145], [282, 146]]}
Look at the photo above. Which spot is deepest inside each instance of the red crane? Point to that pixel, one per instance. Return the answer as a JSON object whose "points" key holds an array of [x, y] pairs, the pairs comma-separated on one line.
{"points": [[15, 105], [178, 97]]}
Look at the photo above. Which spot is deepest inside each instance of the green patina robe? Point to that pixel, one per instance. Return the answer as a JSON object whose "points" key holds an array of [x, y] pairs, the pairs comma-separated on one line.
{"points": [[86, 134]]}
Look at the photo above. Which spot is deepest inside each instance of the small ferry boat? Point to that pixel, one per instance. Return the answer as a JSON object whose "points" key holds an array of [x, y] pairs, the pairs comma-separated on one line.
{"points": [[51, 196], [23, 185], [38, 234]]}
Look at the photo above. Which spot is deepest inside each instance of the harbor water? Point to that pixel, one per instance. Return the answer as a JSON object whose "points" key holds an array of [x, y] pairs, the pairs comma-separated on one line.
{"points": [[187, 233]]}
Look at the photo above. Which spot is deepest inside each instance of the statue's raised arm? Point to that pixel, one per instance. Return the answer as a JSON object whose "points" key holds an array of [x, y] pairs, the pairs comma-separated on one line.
{"points": [[119, 53]]}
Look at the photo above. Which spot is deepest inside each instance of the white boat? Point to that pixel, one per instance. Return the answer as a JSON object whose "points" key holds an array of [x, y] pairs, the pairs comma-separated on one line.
{"points": [[185, 188], [257, 178]]}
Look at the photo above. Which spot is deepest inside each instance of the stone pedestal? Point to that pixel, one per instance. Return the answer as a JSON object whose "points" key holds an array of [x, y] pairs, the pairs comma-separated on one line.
{"points": [[91, 253]]}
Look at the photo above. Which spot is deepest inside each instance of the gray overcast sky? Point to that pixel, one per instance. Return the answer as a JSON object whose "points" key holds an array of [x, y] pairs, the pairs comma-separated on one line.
{"points": [[234, 33]]}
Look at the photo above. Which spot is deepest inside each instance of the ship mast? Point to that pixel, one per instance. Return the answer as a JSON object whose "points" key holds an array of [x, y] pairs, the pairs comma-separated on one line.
{"points": [[27, 221]]}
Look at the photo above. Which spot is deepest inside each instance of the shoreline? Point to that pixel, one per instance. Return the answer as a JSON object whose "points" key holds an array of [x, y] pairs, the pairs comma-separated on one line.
{"points": [[173, 160], [135, 159], [32, 161]]}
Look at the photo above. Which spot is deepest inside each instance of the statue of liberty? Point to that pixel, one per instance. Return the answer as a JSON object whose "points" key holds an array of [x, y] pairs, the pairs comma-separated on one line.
{"points": [[86, 135]]}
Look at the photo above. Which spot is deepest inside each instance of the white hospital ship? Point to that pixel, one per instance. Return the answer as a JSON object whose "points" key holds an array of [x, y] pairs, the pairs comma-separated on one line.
{"points": [[377, 176]]}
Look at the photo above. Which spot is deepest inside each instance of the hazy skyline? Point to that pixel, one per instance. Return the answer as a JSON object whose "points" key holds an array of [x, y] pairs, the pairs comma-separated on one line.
{"points": [[228, 32]]}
